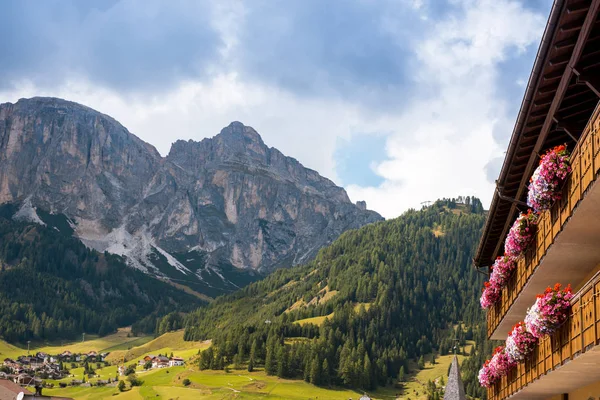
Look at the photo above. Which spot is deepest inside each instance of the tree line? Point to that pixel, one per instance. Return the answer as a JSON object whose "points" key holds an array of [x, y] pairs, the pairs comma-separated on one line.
{"points": [[392, 292], [54, 287]]}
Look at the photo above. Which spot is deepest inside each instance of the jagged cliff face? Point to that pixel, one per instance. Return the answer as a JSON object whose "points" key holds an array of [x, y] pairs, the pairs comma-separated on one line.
{"points": [[225, 201]]}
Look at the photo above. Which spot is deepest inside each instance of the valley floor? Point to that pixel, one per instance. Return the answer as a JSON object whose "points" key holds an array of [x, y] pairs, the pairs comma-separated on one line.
{"points": [[167, 383]]}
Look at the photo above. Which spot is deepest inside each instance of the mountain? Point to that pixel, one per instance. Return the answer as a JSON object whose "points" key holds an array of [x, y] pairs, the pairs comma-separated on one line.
{"points": [[210, 215], [376, 300], [53, 287]]}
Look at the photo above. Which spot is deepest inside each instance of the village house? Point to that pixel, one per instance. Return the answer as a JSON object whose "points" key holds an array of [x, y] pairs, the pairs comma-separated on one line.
{"points": [[160, 362], [176, 362]]}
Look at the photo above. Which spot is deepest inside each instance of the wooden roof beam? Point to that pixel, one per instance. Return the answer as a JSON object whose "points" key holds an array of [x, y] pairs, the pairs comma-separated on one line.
{"points": [[559, 60], [569, 129], [584, 33], [591, 81], [550, 76], [563, 44], [575, 103], [570, 26], [539, 113], [578, 7]]}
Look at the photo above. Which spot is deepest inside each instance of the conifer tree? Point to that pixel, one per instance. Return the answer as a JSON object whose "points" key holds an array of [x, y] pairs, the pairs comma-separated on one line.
{"points": [[270, 367], [315, 372], [401, 375], [325, 374]]}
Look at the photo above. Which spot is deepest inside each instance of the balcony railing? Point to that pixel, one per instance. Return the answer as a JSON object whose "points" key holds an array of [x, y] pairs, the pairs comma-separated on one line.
{"points": [[561, 362], [543, 265]]}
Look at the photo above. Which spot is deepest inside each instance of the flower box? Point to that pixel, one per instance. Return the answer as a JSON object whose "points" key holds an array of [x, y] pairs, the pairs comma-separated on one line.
{"points": [[548, 178], [550, 310]]}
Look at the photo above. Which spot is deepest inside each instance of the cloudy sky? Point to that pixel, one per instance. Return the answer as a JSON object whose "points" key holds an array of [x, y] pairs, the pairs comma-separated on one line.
{"points": [[399, 101]]}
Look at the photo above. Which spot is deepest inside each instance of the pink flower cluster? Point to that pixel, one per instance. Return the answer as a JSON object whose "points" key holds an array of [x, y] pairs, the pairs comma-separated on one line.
{"points": [[486, 379], [490, 295], [548, 178], [550, 310], [495, 368], [519, 343], [502, 270], [521, 234]]}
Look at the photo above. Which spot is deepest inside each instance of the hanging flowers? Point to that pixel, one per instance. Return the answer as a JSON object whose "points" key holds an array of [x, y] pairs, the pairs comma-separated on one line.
{"points": [[519, 343], [549, 311], [490, 295], [500, 363], [502, 270], [548, 178], [521, 234], [486, 379], [495, 368]]}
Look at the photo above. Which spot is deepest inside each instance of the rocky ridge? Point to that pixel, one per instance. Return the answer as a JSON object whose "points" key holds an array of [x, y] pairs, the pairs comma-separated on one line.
{"points": [[203, 213]]}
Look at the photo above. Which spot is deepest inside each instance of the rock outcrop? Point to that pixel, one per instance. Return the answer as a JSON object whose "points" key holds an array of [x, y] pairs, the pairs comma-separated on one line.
{"points": [[230, 200]]}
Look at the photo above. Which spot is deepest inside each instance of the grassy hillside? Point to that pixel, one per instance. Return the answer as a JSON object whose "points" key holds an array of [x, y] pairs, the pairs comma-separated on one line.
{"points": [[121, 340], [236, 384], [375, 301], [164, 344]]}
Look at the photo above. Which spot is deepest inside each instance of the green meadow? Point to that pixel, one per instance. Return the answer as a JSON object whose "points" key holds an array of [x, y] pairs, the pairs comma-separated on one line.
{"points": [[168, 383]]}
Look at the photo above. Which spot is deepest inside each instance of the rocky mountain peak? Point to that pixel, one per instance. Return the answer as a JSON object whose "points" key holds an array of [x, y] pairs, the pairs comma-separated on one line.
{"points": [[229, 199], [237, 131]]}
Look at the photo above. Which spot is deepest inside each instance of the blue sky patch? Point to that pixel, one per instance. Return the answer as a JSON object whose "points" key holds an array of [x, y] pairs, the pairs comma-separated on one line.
{"points": [[354, 159]]}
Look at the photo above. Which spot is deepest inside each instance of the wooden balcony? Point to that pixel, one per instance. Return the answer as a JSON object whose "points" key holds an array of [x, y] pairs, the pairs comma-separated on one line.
{"points": [[567, 246], [564, 361]]}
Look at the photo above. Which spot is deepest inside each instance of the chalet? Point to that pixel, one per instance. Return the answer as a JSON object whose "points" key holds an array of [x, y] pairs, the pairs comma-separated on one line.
{"points": [[176, 362], [91, 356], [121, 370], [160, 362], [560, 107], [65, 355], [149, 358]]}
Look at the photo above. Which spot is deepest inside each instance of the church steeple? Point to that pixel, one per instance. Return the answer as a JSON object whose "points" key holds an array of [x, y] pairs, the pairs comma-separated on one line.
{"points": [[455, 390]]}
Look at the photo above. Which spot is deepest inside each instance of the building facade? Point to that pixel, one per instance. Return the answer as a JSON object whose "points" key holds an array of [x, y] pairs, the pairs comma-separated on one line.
{"points": [[560, 106]]}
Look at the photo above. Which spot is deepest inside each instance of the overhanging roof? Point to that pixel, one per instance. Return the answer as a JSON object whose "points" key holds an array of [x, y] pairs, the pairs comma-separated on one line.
{"points": [[562, 92]]}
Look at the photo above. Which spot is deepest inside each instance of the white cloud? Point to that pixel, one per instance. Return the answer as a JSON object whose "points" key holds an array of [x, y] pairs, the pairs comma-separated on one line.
{"points": [[438, 144], [443, 141]]}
